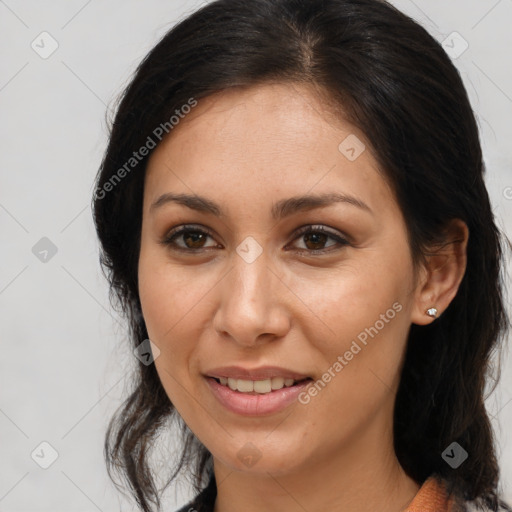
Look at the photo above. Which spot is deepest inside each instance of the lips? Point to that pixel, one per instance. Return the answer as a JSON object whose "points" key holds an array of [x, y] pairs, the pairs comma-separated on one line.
{"points": [[255, 403], [255, 374]]}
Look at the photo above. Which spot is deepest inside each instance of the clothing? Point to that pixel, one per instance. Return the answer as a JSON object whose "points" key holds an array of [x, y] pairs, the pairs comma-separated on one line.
{"points": [[205, 500], [431, 497]]}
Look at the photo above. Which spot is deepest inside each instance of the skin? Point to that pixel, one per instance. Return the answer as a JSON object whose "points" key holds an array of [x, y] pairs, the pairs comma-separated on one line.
{"points": [[246, 149]]}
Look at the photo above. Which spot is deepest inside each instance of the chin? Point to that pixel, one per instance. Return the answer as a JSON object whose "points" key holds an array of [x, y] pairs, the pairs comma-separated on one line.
{"points": [[264, 460]]}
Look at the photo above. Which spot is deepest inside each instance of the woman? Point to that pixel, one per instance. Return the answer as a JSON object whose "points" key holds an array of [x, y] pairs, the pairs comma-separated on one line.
{"points": [[292, 209]]}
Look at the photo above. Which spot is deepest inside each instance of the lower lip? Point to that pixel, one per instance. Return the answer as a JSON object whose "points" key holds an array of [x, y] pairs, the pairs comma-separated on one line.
{"points": [[257, 404]]}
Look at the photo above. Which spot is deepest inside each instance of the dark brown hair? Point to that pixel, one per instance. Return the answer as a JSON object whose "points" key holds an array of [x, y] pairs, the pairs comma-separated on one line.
{"points": [[395, 82]]}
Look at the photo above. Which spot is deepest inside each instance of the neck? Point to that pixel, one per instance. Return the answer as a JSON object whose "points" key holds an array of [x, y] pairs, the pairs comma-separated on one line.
{"points": [[363, 475]]}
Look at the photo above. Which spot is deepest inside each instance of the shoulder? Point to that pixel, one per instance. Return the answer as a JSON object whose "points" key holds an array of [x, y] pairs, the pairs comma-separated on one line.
{"points": [[436, 493]]}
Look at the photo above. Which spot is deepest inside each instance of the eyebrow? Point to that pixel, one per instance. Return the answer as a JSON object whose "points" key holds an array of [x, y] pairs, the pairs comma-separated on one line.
{"points": [[281, 209]]}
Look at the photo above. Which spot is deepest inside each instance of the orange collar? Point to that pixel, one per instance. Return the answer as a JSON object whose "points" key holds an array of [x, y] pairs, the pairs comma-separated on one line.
{"points": [[431, 497]]}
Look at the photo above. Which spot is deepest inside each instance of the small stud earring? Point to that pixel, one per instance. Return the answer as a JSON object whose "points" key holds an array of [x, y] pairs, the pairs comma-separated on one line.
{"points": [[432, 312]]}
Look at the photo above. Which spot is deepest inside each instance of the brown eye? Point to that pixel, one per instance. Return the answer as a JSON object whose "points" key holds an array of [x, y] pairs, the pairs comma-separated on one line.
{"points": [[315, 241], [192, 239], [316, 237]]}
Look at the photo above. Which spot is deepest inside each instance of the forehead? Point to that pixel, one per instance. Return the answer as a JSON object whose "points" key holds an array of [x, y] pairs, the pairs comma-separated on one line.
{"points": [[285, 116], [271, 138]]}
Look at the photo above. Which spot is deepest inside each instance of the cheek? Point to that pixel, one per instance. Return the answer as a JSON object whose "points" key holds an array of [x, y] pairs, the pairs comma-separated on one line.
{"points": [[170, 295], [342, 303], [358, 313], [173, 305], [360, 340]]}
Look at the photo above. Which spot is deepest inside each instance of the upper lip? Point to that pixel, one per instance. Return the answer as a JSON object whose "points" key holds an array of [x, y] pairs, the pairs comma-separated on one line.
{"points": [[261, 373]]}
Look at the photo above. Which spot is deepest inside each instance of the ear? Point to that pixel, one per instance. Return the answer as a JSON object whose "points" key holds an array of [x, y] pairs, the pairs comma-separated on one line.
{"points": [[440, 277]]}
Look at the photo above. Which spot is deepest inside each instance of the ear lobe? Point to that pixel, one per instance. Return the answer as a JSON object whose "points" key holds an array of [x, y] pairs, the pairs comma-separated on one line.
{"points": [[442, 274]]}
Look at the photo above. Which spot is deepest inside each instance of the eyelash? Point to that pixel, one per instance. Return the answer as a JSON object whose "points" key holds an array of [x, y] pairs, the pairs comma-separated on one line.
{"points": [[168, 240]]}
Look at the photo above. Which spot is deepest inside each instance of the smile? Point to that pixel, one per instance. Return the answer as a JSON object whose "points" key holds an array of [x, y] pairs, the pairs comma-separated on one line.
{"points": [[252, 402], [257, 386]]}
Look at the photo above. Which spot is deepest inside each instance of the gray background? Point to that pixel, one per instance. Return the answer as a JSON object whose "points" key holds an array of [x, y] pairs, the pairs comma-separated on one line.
{"points": [[65, 364]]}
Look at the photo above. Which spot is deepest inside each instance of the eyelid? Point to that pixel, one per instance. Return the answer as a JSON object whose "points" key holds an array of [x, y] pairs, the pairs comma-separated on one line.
{"points": [[341, 239], [178, 230]]}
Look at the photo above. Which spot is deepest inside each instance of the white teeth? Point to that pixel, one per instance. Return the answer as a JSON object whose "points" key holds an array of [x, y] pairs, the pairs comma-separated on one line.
{"points": [[245, 386], [262, 386], [277, 382], [232, 383], [258, 386]]}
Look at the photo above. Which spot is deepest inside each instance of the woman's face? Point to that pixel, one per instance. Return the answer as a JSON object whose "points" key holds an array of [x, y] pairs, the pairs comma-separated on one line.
{"points": [[246, 291]]}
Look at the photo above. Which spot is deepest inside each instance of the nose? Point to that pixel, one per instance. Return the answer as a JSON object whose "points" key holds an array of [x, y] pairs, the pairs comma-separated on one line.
{"points": [[251, 307]]}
